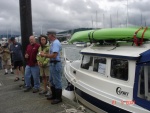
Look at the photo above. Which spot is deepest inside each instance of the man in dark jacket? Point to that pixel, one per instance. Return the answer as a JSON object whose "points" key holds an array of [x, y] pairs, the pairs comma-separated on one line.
{"points": [[17, 57]]}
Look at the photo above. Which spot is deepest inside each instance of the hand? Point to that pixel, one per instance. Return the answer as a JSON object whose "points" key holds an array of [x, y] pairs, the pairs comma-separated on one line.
{"points": [[42, 54], [40, 64], [26, 55]]}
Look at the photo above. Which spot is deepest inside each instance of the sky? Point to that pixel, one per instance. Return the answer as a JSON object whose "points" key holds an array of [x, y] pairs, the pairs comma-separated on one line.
{"points": [[62, 15]]}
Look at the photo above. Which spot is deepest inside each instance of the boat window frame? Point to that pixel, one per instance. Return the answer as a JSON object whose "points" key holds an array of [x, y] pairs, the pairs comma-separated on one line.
{"points": [[87, 65], [144, 83], [119, 76], [100, 66]]}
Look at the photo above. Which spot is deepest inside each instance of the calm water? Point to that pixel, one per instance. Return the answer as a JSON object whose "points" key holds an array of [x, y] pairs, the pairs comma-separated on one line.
{"points": [[72, 53]]}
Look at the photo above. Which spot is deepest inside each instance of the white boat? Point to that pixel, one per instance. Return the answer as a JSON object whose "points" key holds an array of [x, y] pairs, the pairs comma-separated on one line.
{"points": [[114, 79], [81, 44], [64, 42]]}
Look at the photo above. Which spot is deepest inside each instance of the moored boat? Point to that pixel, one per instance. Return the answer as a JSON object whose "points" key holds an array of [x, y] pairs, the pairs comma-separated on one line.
{"points": [[112, 78]]}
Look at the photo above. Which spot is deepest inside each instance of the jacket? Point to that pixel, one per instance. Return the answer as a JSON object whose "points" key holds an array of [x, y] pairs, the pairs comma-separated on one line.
{"points": [[32, 51], [5, 53], [43, 60]]}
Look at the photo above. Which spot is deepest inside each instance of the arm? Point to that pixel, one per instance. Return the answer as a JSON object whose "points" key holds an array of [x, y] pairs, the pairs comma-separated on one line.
{"points": [[46, 61]]}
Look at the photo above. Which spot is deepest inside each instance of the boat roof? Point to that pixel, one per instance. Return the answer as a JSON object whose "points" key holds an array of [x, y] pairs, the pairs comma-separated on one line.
{"points": [[126, 51]]}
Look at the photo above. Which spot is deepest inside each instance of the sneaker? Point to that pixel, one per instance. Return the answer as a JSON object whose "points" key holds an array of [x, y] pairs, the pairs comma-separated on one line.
{"points": [[16, 79], [12, 72], [47, 94], [6, 73], [35, 90], [27, 89], [43, 92]]}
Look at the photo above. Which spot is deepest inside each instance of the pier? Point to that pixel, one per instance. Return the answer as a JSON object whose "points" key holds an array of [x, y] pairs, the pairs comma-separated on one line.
{"points": [[14, 100]]}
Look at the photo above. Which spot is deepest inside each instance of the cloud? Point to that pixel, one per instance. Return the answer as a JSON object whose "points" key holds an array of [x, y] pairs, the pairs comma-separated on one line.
{"points": [[68, 14]]}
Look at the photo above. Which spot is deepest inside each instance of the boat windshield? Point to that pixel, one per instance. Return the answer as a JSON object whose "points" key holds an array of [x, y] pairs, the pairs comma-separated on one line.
{"points": [[86, 61]]}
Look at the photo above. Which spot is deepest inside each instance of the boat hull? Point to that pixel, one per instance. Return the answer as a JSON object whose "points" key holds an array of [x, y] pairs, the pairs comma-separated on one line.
{"points": [[96, 104]]}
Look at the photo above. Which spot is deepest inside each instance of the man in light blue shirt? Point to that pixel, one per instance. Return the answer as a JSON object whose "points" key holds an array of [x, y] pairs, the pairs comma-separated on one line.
{"points": [[55, 68]]}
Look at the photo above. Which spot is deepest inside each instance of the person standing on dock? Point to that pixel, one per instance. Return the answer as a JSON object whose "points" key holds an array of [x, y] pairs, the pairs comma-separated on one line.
{"points": [[55, 67], [43, 62], [32, 68], [6, 59], [17, 58]]}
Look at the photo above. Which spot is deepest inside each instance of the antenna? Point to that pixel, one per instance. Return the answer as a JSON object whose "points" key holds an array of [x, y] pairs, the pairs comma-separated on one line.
{"points": [[127, 14], [141, 18], [96, 19], [103, 21], [117, 18], [92, 21], [110, 21]]}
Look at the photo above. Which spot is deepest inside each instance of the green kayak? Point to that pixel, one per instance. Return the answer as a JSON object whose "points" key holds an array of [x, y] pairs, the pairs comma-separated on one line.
{"points": [[117, 34]]}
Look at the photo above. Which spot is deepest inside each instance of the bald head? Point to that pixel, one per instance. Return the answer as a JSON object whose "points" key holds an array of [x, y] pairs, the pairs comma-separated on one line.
{"points": [[32, 40]]}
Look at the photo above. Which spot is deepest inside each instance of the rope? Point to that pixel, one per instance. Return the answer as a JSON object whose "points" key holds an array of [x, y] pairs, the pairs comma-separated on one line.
{"points": [[138, 41], [135, 38], [141, 41], [79, 109]]}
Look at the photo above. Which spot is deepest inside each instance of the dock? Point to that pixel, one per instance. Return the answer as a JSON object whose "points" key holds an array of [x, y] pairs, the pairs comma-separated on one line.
{"points": [[14, 100]]}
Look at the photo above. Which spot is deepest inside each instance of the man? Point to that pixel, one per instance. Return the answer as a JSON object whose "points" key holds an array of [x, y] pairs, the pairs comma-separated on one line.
{"points": [[6, 59], [17, 58], [55, 68], [32, 68]]}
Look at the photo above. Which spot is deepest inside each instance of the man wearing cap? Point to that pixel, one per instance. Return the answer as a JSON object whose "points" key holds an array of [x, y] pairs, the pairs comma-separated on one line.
{"points": [[55, 68], [17, 58]]}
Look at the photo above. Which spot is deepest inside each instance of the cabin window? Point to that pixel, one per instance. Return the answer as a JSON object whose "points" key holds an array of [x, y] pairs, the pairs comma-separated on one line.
{"points": [[144, 83], [100, 65], [119, 69], [86, 62]]}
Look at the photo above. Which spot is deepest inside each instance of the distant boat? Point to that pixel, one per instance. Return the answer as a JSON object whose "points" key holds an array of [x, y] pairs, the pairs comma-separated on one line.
{"points": [[64, 42], [81, 44]]}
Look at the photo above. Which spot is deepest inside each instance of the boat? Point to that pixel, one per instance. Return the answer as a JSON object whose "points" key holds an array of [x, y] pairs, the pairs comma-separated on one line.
{"points": [[81, 44], [64, 42], [112, 78], [115, 34]]}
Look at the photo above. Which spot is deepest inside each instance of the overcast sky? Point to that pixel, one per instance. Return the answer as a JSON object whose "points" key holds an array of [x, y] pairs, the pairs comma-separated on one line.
{"points": [[69, 14]]}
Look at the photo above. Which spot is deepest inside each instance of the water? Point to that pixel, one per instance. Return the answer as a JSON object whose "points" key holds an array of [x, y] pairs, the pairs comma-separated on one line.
{"points": [[71, 52]]}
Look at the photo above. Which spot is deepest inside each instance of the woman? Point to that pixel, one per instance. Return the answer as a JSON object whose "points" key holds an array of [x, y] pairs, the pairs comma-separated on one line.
{"points": [[43, 62]]}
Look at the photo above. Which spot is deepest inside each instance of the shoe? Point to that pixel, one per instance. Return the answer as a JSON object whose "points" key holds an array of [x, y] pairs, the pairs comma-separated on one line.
{"points": [[16, 79], [22, 85], [22, 78], [56, 101], [6, 73], [35, 90], [43, 92], [12, 72], [53, 95], [58, 98], [47, 94], [27, 89]]}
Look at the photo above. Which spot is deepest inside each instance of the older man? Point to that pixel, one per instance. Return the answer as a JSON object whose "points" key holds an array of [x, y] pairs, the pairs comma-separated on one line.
{"points": [[32, 66], [55, 68]]}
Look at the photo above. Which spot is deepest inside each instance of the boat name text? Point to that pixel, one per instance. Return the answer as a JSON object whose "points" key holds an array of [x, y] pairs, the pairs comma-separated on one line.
{"points": [[120, 92]]}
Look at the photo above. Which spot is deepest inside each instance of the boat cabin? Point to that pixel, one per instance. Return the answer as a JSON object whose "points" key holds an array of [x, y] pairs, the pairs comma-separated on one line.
{"points": [[123, 72]]}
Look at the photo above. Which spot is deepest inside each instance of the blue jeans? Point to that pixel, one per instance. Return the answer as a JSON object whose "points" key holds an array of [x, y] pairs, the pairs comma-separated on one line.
{"points": [[55, 75], [35, 72]]}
